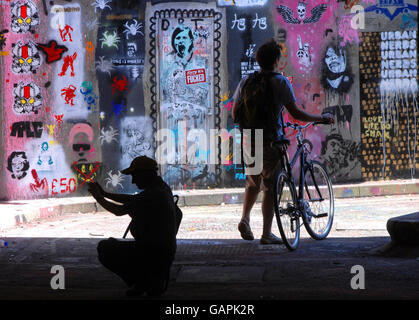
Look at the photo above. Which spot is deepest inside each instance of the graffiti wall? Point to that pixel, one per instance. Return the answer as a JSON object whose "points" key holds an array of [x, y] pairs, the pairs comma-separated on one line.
{"points": [[87, 86]]}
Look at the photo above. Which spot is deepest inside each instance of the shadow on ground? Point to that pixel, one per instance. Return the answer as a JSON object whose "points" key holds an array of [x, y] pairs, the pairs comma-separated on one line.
{"points": [[215, 269]]}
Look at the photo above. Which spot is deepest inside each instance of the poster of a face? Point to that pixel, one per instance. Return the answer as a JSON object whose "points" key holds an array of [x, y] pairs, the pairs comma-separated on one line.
{"points": [[185, 80], [335, 73]]}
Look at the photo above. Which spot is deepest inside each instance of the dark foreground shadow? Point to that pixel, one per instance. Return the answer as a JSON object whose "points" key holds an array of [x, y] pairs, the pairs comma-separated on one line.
{"points": [[215, 269]]}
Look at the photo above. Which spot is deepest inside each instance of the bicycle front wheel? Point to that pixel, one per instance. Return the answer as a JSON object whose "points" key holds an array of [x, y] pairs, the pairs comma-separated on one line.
{"points": [[318, 201], [287, 216]]}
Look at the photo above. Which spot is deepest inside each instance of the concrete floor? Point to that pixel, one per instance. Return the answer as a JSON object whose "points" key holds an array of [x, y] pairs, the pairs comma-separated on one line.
{"points": [[212, 262]]}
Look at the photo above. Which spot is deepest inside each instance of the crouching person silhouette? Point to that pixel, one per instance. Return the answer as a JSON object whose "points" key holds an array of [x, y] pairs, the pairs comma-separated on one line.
{"points": [[144, 264]]}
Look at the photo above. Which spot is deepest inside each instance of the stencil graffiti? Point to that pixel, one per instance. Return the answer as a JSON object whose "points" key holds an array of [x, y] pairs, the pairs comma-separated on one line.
{"points": [[18, 164], [27, 98], [120, 84], [66, 32], [340, 156], [105, 66], [68, 62], [81, 140], [18, 128], [45, 162], [39, 184], [288, 14], [335, 74], [110, 40], [114, 179], [89, 97], [108, 135], [68, 94], [101, 4], [133, 29], [26, 57], [136, 139], [52, 50], [303, 54], [24, 16]]}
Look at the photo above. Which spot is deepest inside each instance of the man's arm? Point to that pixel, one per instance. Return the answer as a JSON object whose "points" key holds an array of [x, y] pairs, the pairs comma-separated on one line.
{"points": [[118, 197], [116, 209], [301, 115], [121, 198]]}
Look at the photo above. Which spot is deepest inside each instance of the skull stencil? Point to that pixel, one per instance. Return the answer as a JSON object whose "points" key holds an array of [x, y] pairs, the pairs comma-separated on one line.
{"points": [[26, 57], [301, 10], [28, 98], [24, 16]]}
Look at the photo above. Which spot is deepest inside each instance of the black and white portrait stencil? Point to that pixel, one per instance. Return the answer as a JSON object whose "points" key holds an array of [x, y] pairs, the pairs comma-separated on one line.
{"points": [[335, 72], [18, 164]]}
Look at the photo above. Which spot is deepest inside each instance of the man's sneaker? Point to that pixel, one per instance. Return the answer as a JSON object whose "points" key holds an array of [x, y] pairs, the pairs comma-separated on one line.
{"points": [[245, 230], [272, 239]]}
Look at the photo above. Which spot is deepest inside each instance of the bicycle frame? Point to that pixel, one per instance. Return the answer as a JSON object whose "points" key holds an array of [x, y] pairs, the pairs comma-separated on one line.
{"points": [[301, 154]]}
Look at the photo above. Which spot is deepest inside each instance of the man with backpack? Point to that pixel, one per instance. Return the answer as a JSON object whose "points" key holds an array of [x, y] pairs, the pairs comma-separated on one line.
{"points": [[143, 264], [259, 101]]}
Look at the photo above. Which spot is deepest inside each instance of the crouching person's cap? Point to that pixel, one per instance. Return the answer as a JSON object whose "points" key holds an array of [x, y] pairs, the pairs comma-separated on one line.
{"points": [[141, 163]]}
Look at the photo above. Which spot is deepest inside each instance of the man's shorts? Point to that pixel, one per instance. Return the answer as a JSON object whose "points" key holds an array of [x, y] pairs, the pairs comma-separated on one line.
{"points": [[271, 167]]}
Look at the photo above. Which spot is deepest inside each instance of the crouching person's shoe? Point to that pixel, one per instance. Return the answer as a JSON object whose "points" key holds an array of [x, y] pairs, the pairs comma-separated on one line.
{"points": [[158, 288], [135, 290]]}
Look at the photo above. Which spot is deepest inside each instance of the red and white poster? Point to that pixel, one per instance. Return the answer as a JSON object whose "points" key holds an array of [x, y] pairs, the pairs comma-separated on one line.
{"points": [[195, 76]]}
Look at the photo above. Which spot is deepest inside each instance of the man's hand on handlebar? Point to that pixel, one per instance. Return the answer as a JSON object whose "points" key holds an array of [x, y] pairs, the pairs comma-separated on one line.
{"points": [[328, 118]]}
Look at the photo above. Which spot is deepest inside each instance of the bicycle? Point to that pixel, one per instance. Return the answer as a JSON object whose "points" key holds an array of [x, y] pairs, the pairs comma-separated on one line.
{"points": [[314, 202]]}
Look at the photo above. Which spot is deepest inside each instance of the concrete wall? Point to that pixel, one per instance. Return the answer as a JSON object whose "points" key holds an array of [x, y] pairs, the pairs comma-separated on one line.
{"points": [[85, 87]]}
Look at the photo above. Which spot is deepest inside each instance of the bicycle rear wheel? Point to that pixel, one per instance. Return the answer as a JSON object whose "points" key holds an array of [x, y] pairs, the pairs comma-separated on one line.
{"points": [[318, 201], [287, 217]]}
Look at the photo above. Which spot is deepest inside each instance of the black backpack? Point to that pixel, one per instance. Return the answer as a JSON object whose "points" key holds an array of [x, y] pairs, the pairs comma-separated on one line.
{"points": [[255, 110]]}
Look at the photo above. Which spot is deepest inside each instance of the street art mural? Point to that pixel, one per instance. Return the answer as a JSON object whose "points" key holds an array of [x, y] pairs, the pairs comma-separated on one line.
{"points": [[390, 111], [86, 87], [186, 62]]}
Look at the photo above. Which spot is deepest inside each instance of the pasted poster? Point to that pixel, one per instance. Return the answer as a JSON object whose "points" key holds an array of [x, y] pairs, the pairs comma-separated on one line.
{"points": [[186, 98]]}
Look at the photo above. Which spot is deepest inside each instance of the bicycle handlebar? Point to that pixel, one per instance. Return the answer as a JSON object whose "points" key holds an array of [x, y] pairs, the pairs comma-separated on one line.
{"points": [[296, 126]]}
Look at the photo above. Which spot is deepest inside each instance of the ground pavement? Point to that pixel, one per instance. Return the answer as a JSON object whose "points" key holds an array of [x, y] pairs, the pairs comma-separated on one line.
{"points": [[213, 262]]}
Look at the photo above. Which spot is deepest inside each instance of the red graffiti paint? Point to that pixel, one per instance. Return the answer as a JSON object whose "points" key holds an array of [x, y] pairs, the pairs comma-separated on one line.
{"points": [[68, 94], [39, 184], [52, 50], [59, 119], [68, 62], [88, 176], [119, 85], [66, 185]]}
